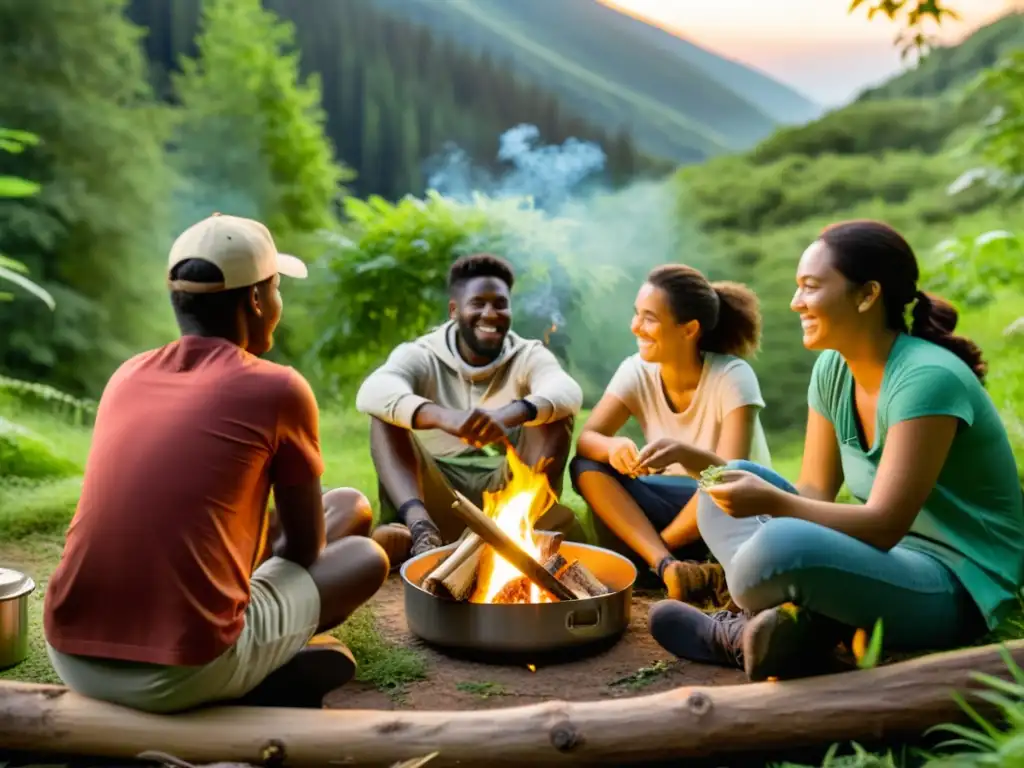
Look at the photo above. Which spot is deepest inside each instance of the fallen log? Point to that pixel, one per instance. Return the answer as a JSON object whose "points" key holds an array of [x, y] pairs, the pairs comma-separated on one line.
{"points": [[489, 531], [902, 698]]}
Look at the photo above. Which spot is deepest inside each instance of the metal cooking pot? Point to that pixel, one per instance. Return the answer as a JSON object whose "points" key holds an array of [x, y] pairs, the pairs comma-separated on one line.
{"points": [[15, 588], [522, 628]]}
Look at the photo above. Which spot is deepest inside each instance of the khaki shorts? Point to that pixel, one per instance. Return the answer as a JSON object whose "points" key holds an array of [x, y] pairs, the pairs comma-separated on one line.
{"points": [[281, 618], [471, 474]]}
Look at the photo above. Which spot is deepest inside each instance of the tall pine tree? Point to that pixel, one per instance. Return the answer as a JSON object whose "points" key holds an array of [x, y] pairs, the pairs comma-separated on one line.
{"points": [[251, 137], [95, 236]]}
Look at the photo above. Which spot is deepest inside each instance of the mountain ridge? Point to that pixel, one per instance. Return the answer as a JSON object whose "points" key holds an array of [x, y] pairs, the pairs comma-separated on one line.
{"points": [[674, 97]]}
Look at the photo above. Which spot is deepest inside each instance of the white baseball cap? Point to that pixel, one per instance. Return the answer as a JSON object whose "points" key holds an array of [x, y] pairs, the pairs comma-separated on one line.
{"points": [[243, 250]]}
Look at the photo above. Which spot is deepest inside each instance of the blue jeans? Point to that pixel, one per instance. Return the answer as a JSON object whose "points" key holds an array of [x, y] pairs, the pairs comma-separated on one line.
{"points": [[771, 561], [659, 497]]}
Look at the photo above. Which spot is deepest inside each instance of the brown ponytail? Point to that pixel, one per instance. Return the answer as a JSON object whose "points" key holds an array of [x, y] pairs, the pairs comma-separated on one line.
{"points": [[935, 319], [738, 330], [729, 313], [864, 251]]}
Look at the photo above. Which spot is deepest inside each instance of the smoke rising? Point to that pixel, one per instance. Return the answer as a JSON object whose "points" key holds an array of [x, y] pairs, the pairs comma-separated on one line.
{"points": [[549, 174], [581, 249]]}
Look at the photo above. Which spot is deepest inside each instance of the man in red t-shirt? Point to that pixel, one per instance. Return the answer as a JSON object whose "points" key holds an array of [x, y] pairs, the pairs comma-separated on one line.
{"points": [[178, 585]]}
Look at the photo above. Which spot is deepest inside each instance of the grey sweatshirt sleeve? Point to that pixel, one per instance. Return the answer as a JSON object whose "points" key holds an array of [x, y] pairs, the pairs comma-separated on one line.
{"points": [[553, 392], [390, 393]]}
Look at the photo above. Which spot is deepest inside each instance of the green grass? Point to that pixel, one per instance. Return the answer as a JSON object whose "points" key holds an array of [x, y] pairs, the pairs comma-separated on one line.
{"points": [[34, 516], [484, 690], [643, 676]]}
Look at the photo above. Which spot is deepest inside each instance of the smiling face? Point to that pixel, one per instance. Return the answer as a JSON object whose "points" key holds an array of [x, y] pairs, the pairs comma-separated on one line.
{"points": [[833, 311], [482, 309], [659, 336]]}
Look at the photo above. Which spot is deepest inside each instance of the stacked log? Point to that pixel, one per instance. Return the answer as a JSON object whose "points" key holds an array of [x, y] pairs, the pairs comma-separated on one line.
{"points": [[455, 577]]}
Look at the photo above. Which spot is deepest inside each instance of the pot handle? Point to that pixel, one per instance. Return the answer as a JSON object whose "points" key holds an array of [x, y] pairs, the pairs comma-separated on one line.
{"points": [[588, 621]]}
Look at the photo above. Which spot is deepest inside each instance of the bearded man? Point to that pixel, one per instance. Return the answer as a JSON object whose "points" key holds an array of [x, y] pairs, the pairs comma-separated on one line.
{"points": [[444, 407]]}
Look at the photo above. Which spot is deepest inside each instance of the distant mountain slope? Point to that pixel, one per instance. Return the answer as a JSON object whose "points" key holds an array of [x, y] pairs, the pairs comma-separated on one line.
{"points": [[779, 101], [954, 66], [677, 100]]}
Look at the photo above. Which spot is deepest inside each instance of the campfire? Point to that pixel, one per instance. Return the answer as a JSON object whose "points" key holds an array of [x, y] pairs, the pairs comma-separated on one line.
{"points": [[502, 559]]}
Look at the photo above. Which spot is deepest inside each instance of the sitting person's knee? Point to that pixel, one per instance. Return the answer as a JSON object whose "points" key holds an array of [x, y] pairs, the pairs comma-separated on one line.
{"points": [[369, 559], [377, 563], [783, 548], [579, 465], [351, 505], [556, 435], [382, 433]]}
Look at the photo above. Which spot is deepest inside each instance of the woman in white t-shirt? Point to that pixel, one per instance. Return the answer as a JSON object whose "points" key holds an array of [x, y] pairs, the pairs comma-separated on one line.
{"points": [[698, 403]]}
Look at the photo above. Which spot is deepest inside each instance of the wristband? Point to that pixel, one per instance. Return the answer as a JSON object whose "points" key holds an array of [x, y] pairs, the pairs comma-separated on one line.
{"points": [[531, 409]]}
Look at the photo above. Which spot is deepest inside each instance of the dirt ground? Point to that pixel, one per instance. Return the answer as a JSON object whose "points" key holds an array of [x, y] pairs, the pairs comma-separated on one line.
{"points": [[635, 665]]}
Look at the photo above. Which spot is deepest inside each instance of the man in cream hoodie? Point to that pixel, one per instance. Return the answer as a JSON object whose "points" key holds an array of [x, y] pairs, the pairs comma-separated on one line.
{"points": [[441, 407]]}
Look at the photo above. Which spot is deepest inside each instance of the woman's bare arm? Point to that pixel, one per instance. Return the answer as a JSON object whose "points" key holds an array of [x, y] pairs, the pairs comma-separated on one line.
{"points": [[608, 417], [914, 454], [821, 472]]}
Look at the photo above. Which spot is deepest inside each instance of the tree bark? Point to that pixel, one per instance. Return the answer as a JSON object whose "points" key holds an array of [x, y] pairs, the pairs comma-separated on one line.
{"points": [[907, 697]]}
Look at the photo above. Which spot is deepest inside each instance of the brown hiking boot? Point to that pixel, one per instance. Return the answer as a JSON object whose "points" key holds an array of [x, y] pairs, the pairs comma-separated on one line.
{"points": [[789, 642], [698, 584]]}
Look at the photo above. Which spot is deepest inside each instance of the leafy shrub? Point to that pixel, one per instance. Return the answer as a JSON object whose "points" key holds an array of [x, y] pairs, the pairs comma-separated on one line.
{"points": [[865, 128], [732, 193], [386, 282], [25, 454]]}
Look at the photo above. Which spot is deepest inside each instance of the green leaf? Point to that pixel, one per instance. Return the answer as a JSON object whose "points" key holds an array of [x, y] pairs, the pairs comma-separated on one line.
{"points": [[20, 280], [12, 264], [12, 186], [874, 650], [22, 137]]}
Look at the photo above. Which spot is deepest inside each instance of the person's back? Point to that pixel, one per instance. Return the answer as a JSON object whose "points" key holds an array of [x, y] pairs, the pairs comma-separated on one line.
{"points": [[174, 498], [179, 585]]}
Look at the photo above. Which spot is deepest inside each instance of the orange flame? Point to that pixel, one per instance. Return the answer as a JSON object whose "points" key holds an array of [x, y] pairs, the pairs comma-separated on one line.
{"points": [[515, 509]]}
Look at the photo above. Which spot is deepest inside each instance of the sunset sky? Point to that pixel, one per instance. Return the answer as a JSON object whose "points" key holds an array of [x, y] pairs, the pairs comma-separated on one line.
{"points": [[813, 45]]}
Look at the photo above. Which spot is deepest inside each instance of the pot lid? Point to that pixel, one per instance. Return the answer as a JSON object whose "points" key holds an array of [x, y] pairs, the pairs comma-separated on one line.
{"points": [[14, 584]]}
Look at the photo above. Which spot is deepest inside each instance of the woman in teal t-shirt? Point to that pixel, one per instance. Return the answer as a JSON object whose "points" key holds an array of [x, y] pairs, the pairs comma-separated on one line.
{"points": [[935, 548]]}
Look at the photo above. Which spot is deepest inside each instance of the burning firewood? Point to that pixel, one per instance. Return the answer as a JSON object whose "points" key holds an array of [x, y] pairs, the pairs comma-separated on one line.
{"points": [[515, 591], [576, 576], [455, 577], [554, 564], [581, 582], [549, 542], [511, 552]]}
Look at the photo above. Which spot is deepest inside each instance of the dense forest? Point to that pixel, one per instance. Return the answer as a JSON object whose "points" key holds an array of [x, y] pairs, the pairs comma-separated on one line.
{"points": [[678, 99], [394, 95], [905, 153], [251, 123]]}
